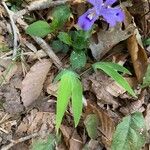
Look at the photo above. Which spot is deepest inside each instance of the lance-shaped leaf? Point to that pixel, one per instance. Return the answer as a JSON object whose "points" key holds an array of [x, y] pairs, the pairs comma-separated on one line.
{"points": [[76, 100], [69, 87], [64, 93], [112, 72]]}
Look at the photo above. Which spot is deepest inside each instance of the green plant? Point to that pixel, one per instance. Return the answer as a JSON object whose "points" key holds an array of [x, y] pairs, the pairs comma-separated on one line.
{"points": [[41, 28], [78, 40], [69, 87], [130, 134], [112, 69]]}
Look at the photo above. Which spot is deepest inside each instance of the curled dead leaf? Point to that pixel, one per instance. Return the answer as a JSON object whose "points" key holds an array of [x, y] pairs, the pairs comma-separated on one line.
{"points": [[138, 56]]}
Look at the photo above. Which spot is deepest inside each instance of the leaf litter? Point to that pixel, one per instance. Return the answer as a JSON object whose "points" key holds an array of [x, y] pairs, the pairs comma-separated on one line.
{"points": [[28, 94]]}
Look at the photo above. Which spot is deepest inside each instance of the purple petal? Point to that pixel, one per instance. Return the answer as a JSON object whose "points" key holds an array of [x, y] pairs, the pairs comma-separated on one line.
{"points": [[86, 21], [110, 2], [97, 4], [112, 15]]}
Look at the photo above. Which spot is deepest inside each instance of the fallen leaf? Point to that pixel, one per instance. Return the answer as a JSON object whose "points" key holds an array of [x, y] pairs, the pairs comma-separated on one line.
{"points": [[75, 142], [97, 83], [138, 56], [107, 124], [42, 122], [33, 82], [103, 41]]}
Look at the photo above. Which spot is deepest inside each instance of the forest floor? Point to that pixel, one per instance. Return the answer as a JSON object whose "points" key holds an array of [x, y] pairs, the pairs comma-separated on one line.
{"points": [[29, 64]]}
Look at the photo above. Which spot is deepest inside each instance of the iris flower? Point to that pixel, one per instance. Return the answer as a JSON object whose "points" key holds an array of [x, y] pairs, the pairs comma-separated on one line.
{"points": [[112, 15]]}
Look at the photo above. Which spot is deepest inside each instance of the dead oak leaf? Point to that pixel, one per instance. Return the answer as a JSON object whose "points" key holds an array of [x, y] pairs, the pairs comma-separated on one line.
{"points": [[33, 82]]}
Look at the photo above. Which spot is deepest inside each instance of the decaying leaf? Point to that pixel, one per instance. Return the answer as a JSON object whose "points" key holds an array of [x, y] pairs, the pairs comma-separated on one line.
{"points": [[33, 82], [97, 83], [75, 142], [42, 122], [10, 70], [105, 40], [108, 121], [138, 56]]}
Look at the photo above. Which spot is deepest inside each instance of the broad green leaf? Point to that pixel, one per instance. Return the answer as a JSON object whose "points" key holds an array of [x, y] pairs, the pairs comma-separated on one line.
{"points": [[116, 76], [80, 39], [146, 79], [48, 144], [39, 28], [76, 99], [78, 59], [60, 15], [91, 123], [130, 134], [59, 46], [64, 94], [115, 66], [65, 38]]}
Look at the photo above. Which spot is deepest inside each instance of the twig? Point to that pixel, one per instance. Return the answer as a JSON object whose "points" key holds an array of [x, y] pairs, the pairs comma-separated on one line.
{"points": [[48, 50], [13, 143], [15, 36], [39, 5]]}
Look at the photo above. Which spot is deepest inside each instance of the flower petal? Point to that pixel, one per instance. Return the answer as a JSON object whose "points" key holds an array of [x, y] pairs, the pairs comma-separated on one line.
{"points": [[97, 4], [86, 21], [110, 2], [112, 15]]}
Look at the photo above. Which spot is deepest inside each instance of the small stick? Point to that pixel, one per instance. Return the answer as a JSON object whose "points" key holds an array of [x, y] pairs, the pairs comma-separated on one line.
{"points": [[14, 142], [15, 36], [48, 50], [39, 5]]}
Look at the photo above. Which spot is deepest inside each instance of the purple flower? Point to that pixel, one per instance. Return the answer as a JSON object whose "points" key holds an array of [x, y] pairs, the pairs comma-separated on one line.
{"points": [[100, 8]]}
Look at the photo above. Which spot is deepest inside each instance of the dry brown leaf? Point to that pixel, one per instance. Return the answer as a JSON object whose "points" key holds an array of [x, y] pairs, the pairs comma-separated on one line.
{"points": [[42, 122], [97, 83], [138, 56], [135, 105], [108, 124], [75, 142], [103, 41], [33, 82]]}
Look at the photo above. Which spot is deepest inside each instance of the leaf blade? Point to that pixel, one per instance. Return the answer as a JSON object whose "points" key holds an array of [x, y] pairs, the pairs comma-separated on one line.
{"points": [[76, 100], [39, 28], [116, 76], [64, 93], [130, 133]]}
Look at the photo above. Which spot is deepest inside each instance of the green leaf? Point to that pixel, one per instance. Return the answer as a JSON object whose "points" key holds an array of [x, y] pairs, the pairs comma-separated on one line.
{"points": [[39, 28], [60, 15], [64, 94], [48, 144], [65, 71], [116, 67], [130, 134], [78, 59], [59, 46], [115, 75], [80, 39], [146, 79], [76, 100], [91, 123], [147, 41], [69, 87], [65, 38]]}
